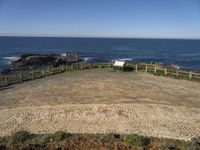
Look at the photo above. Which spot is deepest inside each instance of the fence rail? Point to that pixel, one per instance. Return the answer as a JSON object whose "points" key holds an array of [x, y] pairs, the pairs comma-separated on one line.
{"points": [[147, 68], [171, 72]]}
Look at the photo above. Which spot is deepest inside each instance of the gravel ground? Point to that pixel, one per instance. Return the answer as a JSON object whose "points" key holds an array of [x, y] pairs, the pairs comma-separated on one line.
{"points": [[97, 101]]}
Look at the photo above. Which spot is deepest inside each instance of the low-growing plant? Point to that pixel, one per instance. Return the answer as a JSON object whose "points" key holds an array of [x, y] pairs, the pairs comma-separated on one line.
{"points": [[19, 137], [59, 136], [46, 138], [195, 143], [110, 137], [3, 140], [136, 140], [41, 139]]}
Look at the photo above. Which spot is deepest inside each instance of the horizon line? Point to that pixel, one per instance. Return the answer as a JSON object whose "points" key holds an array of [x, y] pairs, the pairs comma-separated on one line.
{"points": [[102, 37]]}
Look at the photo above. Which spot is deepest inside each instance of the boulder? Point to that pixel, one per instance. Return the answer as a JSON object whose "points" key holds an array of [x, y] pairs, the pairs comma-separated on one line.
{"points": [[36, 60]]}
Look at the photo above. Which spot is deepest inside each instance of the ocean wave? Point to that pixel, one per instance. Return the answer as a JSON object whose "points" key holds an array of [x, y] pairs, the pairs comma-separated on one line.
{"points": [[125, 59], [87, 58], [63, 54], [8, 60], [122, 59], [176, 66], [12, 58]]}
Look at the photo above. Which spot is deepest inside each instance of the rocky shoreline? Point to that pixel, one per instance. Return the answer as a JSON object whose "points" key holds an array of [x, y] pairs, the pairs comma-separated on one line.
{"points": [[34, 61]]}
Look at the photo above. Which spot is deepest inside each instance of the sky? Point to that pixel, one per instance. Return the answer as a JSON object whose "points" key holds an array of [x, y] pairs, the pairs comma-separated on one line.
{"points": [[101, 18]]}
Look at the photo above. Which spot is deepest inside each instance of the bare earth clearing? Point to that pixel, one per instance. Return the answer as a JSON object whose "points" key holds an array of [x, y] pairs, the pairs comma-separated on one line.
{"points": [[97, 101]]}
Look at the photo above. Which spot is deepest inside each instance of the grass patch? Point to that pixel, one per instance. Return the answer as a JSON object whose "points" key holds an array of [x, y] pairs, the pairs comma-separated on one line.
{"points": [[25, 138], [109, 138], [39, 139], [136, 140], [46, 138], [18, 137]]}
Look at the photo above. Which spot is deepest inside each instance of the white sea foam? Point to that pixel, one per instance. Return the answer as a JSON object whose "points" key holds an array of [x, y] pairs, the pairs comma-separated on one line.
{"points": [[12, 58], [176, 66], [9, 60], [122, 59], [87, 58], [63, 54], [125, 59]]}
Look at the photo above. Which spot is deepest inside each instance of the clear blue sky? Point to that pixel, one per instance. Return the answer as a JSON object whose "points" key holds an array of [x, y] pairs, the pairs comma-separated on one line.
{"points": [[101, 18]]}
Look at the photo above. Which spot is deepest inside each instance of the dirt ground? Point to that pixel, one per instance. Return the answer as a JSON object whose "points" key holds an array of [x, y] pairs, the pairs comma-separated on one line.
{"points": [[97, 101]]}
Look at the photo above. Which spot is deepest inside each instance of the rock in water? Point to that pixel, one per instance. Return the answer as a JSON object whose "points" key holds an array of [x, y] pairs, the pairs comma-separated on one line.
{"points": [[35, 60]]}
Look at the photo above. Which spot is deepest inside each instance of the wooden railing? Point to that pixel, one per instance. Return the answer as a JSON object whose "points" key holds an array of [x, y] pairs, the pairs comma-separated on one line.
{"points": [[147, 68], [167, 71]]}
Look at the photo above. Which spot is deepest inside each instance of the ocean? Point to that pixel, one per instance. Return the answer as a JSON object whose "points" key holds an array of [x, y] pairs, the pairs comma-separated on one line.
{"points": [[182, 53]]}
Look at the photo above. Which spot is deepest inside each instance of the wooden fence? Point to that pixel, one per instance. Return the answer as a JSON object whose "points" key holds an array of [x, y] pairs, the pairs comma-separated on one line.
{"points": [[168, 71], [147, 68]]}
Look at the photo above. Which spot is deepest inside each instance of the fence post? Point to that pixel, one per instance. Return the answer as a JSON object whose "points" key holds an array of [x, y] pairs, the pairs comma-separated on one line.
{"points": [[20, 77], [81, 66], [43, 72], [190, 75], [146, 69], [32, 75], [155, 69], [99, 65], [6, 80], [72, 67], [66, 67], [136, 67], [177, 73], [109, 65], [62, 68], [165, 71]]}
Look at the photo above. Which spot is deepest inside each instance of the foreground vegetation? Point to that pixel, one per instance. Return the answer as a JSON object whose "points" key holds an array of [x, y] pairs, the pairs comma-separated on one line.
{"points": [[62, 140]]}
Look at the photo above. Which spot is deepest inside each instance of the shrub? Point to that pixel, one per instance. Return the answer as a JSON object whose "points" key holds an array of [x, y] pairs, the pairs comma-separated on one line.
{"points": [[136, 140], [109, 138], [19, 137], [195, 143], [46, 138], [2, 141], [59, 136], [41, 139]]}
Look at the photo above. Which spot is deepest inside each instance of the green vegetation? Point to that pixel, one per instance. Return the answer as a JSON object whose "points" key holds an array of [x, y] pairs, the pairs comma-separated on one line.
{"points": [[136, 140], [16, 138], [46, 138], [109, 138], [26, 138]]}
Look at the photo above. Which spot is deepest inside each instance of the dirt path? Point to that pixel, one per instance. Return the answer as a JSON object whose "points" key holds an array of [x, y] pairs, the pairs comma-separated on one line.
{"points": [[152, 120], [96, 101], [102, 87]]}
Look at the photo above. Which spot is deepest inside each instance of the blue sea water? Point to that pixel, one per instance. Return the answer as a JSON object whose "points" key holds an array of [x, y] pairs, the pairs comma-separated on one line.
{"points": [[184, 53]]}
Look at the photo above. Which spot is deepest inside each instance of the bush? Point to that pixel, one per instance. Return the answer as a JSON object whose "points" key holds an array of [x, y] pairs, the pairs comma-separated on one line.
{"points": [[195, 143], [59, 136], [41, 139], [19, 137], [136, 140], [2, 141], [110, 137], [46, 138]]}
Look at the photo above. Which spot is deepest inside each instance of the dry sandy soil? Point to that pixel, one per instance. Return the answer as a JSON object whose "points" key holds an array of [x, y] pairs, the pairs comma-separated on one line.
{"points": [[97, 101]]}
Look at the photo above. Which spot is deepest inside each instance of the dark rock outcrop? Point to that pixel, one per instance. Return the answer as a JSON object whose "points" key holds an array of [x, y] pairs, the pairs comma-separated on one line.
{"points": [[38, 60]]}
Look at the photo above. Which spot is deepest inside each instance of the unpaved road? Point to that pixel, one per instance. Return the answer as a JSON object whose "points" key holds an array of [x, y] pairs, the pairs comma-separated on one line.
{"points": [[95, 101]]}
